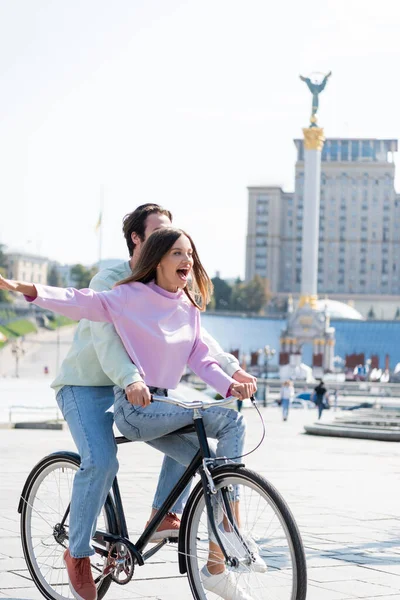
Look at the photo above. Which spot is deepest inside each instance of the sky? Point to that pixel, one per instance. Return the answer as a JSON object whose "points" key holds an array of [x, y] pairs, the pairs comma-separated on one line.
{"points": [[183, 103]]}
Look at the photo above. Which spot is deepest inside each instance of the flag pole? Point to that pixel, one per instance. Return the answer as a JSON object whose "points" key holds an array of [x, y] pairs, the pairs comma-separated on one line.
{"points": [[101, 224]]}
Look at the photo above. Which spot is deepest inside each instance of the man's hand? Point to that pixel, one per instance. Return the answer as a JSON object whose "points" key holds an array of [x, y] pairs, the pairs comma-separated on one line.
{"points": [[241, 390], [138, 394], [242, 377]]}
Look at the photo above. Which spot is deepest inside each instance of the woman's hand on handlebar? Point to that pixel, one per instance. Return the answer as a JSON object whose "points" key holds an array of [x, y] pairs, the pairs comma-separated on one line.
{"points": [[241, 376], [241, 390], [138, 394]]}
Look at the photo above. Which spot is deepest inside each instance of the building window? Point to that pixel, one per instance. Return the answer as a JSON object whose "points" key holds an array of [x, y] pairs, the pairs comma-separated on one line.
{"points": [[366, 149], [334, 150], [377, 148], [354, 150]]}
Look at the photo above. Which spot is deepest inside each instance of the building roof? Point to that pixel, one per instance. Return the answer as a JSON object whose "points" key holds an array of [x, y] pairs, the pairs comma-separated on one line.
{"points": [[339, 310]]}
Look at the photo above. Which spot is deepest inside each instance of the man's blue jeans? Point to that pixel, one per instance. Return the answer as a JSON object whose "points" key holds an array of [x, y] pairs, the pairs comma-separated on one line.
{"points": [[87, 412]]}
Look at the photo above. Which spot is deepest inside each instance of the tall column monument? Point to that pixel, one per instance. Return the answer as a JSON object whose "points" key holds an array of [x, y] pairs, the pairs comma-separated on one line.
{"points": [[313, 144], [308, 325]]}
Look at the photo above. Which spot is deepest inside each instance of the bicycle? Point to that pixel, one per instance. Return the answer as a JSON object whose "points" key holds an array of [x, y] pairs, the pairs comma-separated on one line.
{"points": [[268, 530]]}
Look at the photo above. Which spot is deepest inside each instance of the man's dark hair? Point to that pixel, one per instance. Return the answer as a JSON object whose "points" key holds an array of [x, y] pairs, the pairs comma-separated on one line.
{"points": [[135, 222]]}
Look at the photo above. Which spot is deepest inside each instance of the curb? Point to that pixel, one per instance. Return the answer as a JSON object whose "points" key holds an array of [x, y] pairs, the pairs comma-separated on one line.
{"points": [[352, 432], [32, 425]]}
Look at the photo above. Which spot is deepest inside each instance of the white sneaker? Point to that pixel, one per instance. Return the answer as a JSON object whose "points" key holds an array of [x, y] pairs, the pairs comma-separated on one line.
{"points": [[223, 585], [233, 545]]}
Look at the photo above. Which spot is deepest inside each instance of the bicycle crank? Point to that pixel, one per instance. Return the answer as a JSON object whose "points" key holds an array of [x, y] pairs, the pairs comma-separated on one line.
{"points": [[120, 564]]}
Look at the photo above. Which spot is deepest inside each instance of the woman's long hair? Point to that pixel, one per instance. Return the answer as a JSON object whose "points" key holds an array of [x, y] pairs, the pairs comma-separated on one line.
{"points": [[154, 249]]}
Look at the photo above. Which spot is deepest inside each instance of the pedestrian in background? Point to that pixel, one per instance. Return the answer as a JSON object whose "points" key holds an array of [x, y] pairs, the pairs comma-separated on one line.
{"points": [[321, 398], [287, 395], [335, 400]]}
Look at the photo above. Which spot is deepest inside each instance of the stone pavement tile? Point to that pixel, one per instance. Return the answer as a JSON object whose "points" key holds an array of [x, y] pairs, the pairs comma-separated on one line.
{"points": [[360, 558], [7, 530], [9, 519], [393, 569], [317, 559], [11, 545], [127, 592], [163, 587], [391, 597], [157, 570], [21, 594], [373, 576], [344, 573], [318, 593], [12, 564], [12, 580], [360, 589]]}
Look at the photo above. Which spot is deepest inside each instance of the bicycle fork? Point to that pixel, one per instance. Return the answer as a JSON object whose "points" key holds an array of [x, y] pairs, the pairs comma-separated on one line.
{"points": [[210, 491]]}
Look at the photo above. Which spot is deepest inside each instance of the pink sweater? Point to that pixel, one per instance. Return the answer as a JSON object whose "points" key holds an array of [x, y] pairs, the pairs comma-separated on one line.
{"points": [[160, 330]]}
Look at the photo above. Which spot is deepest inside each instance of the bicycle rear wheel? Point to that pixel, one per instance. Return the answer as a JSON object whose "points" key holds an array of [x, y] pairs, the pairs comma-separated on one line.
{"points": [[45, 500], [266, 529]]}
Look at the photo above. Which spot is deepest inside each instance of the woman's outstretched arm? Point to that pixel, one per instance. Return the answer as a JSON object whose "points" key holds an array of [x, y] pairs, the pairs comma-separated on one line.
{"points": [[76, 304], [11, 285]]}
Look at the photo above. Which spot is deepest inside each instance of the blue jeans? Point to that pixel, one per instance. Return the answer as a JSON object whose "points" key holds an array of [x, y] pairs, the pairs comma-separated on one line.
{"points": [[86, 410], [149, 424], [285, 408]]}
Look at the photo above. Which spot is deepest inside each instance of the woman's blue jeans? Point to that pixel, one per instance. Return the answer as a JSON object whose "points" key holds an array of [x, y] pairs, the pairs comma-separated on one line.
{"points": [[149, 424], [87, 412]]}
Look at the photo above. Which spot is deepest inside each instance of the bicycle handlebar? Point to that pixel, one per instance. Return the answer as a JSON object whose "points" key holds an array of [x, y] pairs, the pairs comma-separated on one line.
{"points": [[194, 403]]}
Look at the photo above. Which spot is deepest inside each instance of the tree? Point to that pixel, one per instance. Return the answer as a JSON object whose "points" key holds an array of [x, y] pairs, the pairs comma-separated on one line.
{"points": [[238, 297], [4, 296], [54, 277], [82, 276], [222, 294], [3, 257], [255, 294], [249, 297]]}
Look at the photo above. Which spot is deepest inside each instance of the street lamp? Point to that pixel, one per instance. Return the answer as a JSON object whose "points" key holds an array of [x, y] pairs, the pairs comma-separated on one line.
{"points": [[268, 353], [18, 351]]}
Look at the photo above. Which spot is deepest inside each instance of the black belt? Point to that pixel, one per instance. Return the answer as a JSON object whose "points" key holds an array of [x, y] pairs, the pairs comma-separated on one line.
{"points": [[158, 391]]}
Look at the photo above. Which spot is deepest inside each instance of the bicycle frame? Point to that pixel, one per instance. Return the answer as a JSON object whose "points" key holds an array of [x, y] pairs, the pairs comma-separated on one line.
{"points": [[196, 465]]}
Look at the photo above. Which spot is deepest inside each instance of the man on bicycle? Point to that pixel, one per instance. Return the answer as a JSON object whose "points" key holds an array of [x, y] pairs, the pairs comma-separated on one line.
{"points": [[95, 363]]}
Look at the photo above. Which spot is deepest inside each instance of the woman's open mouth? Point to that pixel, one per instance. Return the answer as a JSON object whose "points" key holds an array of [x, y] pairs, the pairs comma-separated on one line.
{"points": [[183, 274]]}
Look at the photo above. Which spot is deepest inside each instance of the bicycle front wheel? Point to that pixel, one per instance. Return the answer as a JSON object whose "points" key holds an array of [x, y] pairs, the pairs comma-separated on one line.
{"points": [[263, 537], [45, 530]]}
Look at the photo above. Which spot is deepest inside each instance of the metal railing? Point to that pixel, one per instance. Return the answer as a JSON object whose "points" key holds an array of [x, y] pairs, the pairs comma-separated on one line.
{"points": [[20, 408]]}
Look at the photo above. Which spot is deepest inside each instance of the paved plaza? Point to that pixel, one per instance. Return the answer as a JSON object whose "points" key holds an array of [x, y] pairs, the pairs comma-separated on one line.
{"points": [[344, 494]]}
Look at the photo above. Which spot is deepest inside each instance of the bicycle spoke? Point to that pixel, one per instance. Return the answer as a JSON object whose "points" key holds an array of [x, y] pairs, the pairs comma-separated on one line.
{"points": [[262, 544], [44, 545]]}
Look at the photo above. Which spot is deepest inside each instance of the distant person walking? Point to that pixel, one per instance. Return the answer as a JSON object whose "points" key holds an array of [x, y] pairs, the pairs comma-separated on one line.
{"points": [[335, 400], [287, 395], [321, 397]]}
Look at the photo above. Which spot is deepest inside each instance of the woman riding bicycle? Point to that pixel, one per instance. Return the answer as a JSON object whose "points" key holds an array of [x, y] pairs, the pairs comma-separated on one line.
{"points": [[157, 315]]}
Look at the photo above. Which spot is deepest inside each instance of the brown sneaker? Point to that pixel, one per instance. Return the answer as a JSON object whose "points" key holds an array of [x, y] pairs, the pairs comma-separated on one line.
{"points": [[169, 527], [80, 577]]}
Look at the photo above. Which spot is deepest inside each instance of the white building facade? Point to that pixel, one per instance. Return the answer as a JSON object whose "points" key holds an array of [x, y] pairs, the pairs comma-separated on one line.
{"points": [[359, 223], [27, 267]]}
